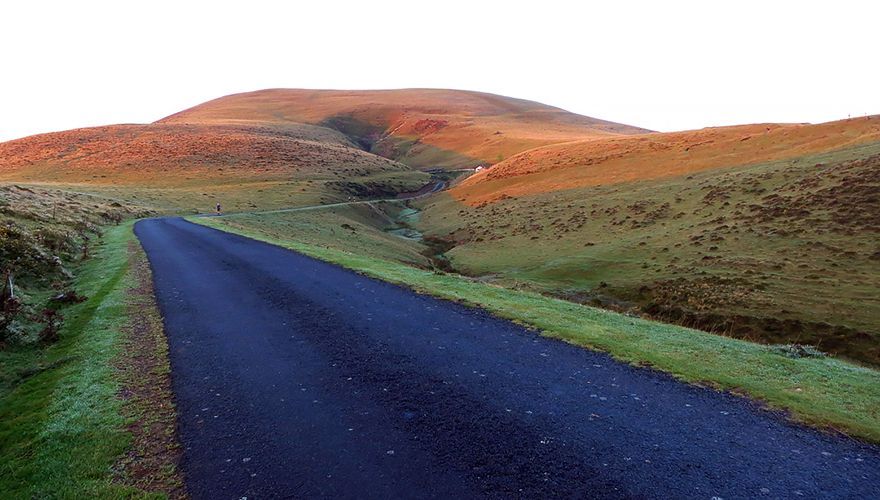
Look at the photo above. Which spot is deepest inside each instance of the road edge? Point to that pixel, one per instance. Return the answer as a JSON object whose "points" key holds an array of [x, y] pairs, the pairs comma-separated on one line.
{"points": [[152, 461]]}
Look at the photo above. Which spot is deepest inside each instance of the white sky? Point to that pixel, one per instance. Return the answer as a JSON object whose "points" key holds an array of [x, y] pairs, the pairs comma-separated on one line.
{"points": [[661, 65]]}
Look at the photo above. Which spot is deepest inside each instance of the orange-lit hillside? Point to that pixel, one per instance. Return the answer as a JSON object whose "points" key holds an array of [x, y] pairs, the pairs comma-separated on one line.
{"points": [[650, 156], [421, 127], [167, 154]]}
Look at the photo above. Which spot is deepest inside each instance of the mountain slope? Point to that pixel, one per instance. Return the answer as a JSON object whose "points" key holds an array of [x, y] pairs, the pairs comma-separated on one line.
{"points": [[781, 252], [419, 127], [659, 155], [163, 153], [195, 166]]}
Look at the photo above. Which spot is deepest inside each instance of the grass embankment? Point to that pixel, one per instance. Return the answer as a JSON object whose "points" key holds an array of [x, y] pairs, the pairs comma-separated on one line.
{"points": [[822, 391], [62, 426], [358, 228]]}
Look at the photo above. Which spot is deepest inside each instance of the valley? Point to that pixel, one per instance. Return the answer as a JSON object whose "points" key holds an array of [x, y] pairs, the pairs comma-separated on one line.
{"points": [[741, 259], [741, 231]]}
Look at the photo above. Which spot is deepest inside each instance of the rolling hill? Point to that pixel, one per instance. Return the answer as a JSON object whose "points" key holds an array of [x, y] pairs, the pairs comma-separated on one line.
{"points": [[764, 232], [615, 160], [424, 128], [175, 166]]}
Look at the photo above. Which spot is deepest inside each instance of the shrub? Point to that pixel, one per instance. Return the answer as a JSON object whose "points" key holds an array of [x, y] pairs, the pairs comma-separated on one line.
{"points": [[10, 308], [797, 351], [56, 241], [51, 320], [22, 255]]}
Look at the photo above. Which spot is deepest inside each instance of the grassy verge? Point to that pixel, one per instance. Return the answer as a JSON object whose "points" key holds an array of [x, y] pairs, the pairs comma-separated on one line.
{"points": [[62, 428], [144, 373], [822, 391]]}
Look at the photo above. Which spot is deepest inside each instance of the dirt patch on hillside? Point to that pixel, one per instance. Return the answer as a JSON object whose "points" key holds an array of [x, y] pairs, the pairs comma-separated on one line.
{"points": [[151, 463]]}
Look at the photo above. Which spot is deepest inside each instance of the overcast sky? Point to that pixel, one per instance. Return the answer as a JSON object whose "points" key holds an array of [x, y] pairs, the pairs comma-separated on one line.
{"points": [[660, 65]]}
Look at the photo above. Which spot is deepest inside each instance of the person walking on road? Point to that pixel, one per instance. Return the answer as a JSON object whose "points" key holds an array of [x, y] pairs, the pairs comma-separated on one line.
{"points": [[219, 210]]}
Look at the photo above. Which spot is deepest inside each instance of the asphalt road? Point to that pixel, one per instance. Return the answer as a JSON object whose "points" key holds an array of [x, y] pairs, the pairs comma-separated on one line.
{"points": [[296, 378]]}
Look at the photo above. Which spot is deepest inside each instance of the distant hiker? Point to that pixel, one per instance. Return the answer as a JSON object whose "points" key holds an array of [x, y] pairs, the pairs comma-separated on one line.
{"points": [[219, 211]]}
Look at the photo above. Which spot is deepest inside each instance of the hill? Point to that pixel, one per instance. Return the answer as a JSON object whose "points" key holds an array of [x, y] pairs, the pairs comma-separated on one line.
{"points": [[425, 128], [781, 251], [281, 148], [176, 166], [659, 155]]}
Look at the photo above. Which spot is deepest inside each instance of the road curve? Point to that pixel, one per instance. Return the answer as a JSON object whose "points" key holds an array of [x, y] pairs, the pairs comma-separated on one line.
{"points": [[296, 378]]}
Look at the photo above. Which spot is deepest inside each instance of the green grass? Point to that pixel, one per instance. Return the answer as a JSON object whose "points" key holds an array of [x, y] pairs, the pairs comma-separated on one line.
{"points": [[358, 228], [826, 392], [60, 425]]}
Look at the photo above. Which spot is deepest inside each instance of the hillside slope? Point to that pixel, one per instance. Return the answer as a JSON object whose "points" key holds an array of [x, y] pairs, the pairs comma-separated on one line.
{"points": [[419, 127], [659, 155], [780, 252], [193, 166]]}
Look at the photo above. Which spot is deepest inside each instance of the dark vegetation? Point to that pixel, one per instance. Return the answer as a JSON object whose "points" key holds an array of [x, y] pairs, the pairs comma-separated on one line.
{"points": [[362, 133], [435, 250], [44, 234]]}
